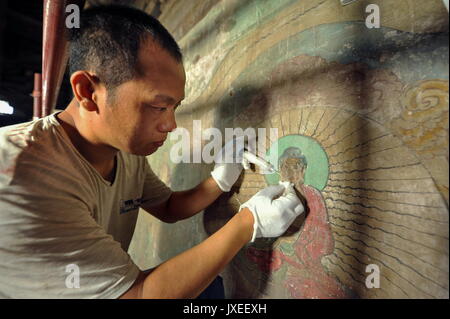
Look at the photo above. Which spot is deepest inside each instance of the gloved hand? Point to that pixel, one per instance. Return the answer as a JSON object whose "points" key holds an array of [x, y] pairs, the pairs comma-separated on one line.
{"points": [[229, 163], [273, 216]]}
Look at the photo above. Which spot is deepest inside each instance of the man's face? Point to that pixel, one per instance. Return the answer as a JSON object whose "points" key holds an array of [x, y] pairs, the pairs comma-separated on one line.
{"points": [[139, 117]]}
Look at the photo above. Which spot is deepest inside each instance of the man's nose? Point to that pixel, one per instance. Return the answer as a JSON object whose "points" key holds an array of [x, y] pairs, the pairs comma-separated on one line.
{"points": [[168, 123]]}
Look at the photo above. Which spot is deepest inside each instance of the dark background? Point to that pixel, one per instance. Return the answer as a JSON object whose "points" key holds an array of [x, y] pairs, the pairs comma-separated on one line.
{"points": [[21, 57]]}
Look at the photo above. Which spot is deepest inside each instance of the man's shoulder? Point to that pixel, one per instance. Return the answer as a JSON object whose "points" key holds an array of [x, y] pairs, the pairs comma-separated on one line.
{"points": [[16, 135], [27, 141], [14, 139]]}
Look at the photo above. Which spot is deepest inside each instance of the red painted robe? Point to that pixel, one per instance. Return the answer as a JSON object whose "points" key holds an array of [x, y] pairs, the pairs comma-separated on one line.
{"points": [[306, 277]]}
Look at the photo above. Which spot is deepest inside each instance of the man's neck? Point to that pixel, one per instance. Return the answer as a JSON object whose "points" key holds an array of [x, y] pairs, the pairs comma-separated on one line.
{"points": [[100, 156]]}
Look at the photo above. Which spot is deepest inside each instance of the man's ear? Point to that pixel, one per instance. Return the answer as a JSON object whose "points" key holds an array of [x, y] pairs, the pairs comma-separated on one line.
{"points": [[83, 87]]}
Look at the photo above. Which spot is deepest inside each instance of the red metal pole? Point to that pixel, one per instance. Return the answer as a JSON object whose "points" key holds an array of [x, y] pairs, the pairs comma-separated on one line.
{"points": [[37, 96], [54, 52]]}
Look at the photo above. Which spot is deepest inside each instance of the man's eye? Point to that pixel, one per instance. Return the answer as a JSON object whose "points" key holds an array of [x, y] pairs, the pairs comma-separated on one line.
{"points": [[159, 109]]}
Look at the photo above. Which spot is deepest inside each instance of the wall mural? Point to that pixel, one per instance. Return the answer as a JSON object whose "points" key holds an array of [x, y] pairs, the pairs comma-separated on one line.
{"points": [[362, 117]]}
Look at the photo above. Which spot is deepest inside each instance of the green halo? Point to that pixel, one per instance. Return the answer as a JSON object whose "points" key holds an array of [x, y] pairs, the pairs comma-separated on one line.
{"points": [[317, 170]]}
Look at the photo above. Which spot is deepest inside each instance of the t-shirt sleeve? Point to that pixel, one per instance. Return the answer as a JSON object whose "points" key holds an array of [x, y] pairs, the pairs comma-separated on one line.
{"points": [[155, 191], [51, 247]]}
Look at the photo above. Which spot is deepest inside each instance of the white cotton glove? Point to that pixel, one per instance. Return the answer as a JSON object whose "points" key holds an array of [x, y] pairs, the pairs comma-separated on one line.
{"points": [[229, 163], [274, 216]]}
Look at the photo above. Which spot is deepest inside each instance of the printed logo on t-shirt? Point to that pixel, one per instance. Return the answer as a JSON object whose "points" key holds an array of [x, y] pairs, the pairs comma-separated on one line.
{"points": [[129, 205]]}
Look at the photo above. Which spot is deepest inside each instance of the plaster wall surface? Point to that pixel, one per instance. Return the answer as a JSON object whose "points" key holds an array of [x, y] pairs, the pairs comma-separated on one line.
{"points": [[366, 110]]}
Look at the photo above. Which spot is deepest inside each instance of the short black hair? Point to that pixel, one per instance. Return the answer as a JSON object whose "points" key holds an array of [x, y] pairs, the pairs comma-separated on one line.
{"points": [[109, 39]]}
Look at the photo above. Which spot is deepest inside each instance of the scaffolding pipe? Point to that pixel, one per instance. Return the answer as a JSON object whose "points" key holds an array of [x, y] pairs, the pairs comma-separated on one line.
{"points": [[37, 96], [54, 53]]}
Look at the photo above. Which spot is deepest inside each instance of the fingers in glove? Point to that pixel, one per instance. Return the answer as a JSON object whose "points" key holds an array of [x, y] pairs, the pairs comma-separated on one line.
{"points": [[287, 201], [245, 163], [271, 191], [299, 209]]}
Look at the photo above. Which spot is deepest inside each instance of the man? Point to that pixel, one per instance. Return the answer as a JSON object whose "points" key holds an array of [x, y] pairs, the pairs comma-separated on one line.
{"points": [[71, 183]]}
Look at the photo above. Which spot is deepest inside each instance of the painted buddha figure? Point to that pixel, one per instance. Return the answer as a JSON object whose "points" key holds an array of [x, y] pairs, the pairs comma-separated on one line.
{"points": [[302, 247]]}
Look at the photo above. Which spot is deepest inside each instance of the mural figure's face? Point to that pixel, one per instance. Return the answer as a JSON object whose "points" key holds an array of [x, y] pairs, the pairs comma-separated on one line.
{"points": [[292, 166], [293, 170]]}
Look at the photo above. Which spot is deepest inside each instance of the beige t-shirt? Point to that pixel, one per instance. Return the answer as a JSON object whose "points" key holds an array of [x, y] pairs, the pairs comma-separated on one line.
{"points": [[63, 226]]}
